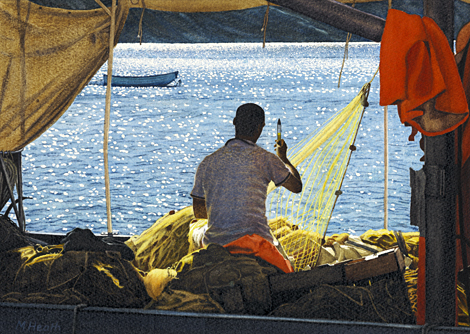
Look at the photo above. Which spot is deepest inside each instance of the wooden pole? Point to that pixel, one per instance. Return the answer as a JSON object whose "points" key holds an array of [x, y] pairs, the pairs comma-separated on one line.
{"points": [[107, 116], [338, 15], [440, 201], [386, 167]]}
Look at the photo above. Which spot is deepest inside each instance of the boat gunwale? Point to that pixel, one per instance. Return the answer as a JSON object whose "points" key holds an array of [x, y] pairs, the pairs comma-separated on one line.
{"points": [[94, 319], [157, 80]]}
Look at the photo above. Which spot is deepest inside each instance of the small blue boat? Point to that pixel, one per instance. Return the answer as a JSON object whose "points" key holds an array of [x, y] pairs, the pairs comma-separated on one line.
{"points": [[159, 80]]}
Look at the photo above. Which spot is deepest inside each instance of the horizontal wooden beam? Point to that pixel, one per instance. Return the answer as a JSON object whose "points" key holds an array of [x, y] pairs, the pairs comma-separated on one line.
{"points": [[338, 15]]}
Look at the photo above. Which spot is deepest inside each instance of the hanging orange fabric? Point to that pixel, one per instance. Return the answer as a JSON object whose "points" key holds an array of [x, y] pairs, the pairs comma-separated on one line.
{"points": [[418, 73], [256, 245]]}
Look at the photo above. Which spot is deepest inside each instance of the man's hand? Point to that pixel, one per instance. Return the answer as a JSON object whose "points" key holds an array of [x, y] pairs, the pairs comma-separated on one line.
{"points": [[281, 149], [293, 182], [199, 208]]}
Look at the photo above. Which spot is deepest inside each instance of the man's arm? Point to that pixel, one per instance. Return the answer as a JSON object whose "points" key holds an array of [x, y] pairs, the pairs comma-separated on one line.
{"points": [[199, 208], [293, 182]]}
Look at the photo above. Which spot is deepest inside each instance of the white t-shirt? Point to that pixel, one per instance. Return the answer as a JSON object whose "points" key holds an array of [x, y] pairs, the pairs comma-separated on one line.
{"points": [[233, 181]]}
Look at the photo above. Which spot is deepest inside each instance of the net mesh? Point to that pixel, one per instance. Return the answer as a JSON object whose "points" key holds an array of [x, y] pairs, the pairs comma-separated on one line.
{"points": [[300, 221]]}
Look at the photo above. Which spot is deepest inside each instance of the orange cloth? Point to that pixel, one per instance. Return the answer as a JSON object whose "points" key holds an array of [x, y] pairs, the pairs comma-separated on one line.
{"points": [[255, 245], [418, 73]]}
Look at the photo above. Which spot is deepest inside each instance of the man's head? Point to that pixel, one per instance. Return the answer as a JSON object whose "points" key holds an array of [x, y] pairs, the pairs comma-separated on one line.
{"points": [[248, 119]]}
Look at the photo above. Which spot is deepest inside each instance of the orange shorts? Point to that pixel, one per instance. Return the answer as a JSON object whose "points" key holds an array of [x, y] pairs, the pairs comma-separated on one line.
{"points": [[256, 245]]}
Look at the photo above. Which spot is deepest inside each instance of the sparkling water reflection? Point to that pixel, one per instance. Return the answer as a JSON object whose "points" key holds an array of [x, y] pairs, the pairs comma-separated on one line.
{"points": [[159, 135]]}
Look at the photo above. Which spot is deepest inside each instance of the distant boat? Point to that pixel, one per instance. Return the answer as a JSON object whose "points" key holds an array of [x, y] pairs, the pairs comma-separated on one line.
{"points": [[159, 80]]}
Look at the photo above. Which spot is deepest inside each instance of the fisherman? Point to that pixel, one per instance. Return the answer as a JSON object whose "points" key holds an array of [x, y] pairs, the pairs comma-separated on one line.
{"points": [[230, 189]]}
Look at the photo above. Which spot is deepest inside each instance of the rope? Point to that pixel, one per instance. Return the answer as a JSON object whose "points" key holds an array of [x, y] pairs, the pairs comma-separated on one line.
{"points": [[75, 314], [346, 50], [265, 25], [427, 328], [345, 56]]}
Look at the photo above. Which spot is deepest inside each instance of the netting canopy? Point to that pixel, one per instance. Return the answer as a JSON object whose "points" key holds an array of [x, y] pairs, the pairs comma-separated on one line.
{"points": [[47, 56]]}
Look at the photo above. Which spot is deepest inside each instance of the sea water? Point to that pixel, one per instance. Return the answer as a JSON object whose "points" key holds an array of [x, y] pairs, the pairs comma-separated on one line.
{"points": [[158, 136]]}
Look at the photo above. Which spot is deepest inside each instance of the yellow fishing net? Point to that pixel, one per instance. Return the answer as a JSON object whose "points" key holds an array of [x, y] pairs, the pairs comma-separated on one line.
{"points": [[165, 242], [321, 158], [300, 221]]}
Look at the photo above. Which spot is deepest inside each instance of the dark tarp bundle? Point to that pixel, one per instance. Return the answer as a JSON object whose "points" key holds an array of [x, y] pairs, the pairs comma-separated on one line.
{"points": [[46, 275], [84, 240], [11, 236], [382, 301]]}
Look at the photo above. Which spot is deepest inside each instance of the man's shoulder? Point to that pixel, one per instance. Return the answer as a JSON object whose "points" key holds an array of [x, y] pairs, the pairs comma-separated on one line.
{"points": [[261, 151], [213, 155]]}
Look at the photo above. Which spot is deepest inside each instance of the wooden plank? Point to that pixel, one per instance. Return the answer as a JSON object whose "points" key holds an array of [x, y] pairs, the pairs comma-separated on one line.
{"points": [[330, 274], [288, 287], [338, 15], [374, 265]]}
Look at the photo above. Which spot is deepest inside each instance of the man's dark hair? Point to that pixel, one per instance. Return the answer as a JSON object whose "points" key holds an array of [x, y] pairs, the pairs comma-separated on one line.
{"points": [[247, 119]]}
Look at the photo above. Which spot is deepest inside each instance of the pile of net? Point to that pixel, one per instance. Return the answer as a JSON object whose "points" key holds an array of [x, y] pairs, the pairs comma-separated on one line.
{"points": [[168, 272], [170, 242], [82, 270], [213, 280], [165, 242], [36, 274]]}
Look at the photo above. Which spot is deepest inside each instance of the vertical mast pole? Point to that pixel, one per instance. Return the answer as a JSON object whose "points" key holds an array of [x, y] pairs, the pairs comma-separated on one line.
{"points": [[386, 156], [107, 117], [440, 201]]}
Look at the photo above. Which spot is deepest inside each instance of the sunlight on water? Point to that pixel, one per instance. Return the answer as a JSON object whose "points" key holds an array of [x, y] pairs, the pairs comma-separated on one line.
{"points": [[158, 136]]}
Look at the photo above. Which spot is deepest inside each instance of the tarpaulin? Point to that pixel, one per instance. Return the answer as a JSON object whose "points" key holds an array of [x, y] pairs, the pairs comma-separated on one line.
{"points": [[47, 56]]}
